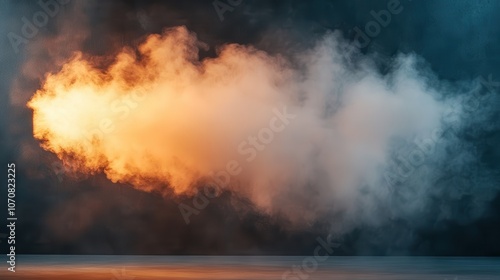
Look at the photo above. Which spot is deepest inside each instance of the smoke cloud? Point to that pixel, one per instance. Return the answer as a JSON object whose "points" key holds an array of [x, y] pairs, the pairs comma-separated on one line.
{"points": [[164, 120]]}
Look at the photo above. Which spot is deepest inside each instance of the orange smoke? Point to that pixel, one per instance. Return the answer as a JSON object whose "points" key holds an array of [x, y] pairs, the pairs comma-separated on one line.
{"points": [[159, 116], [162, 119]]}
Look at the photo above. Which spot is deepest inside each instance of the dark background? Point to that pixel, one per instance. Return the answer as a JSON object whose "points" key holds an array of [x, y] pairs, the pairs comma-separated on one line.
{"points": [[62, 213]]}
